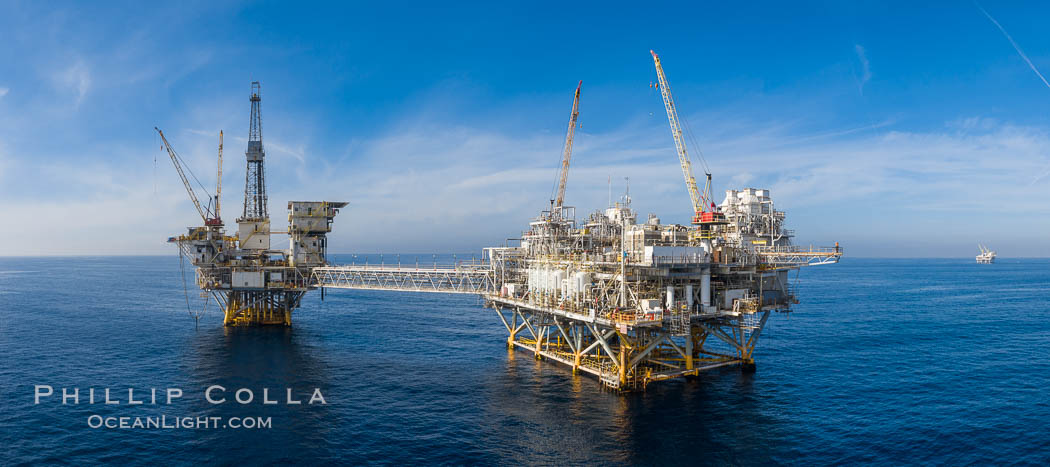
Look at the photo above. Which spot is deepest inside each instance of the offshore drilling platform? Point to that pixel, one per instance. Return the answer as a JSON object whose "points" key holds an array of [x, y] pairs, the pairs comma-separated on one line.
{"points": [[254, 284], [629, 302]]}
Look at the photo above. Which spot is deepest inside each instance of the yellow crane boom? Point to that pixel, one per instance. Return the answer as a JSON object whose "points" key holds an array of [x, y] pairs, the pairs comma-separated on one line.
{"points": [[218, 182], [185, 181], [679, 142], [568, 147]]}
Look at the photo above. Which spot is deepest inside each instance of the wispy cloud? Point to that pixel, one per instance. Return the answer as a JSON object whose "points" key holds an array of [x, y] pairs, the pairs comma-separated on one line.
{"points": [[1013, 43], [297, 152], [4, 91], [434, 186], [1041, 176], [468, 189], [865, 66], [76, 78]]}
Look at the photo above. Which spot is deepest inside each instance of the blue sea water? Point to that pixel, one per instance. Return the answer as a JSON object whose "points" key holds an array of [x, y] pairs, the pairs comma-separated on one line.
{"points": [[884, 362]]}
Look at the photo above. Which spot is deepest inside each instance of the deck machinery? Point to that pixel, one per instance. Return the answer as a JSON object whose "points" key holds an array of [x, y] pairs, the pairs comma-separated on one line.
{"points": [[254, 283]]}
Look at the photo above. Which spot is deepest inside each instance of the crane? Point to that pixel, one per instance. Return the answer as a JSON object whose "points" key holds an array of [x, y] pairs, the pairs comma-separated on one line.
{"points": [[205, 214], [218, 182], [699, 201], [568, 148]]}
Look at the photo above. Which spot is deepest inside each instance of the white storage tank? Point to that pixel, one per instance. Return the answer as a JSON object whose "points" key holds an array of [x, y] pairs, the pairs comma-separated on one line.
{"points": [[556, 279], [705, 288], [585, 282]]}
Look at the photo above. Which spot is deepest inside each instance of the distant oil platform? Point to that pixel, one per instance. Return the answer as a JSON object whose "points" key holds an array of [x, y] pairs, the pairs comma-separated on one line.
{"points": [[986, 256], [628, 301]]}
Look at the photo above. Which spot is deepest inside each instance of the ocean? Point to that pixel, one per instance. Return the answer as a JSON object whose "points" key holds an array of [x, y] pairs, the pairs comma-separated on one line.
{"points": [[885, 361]]}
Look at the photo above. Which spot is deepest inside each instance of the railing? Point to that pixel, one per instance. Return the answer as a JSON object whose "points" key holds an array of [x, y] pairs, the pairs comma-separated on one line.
{"points": [[798, 255], [680, 260], [209, 278], [460, 265]]}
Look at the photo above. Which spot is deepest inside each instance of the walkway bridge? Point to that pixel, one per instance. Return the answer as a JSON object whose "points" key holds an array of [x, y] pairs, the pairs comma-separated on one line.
{"points": [[470, 278]]}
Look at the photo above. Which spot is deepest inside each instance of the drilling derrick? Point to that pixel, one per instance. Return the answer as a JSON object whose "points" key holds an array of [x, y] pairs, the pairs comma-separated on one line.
{"points": [[254, 225], [255, 176], [253, 283]]}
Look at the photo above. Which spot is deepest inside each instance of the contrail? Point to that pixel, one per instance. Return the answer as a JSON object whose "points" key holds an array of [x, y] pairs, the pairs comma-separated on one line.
{"points": [[1039, 177], [1016, 47]]}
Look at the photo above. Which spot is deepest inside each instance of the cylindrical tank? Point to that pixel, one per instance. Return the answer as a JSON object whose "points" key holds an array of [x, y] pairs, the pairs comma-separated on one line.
{"points": [[585, 282], [670, 297], [705, 288], [689, 297]]}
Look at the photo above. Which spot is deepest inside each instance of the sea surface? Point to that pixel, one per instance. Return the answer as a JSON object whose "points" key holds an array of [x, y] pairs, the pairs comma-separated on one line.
{"points": [[887, 362]]}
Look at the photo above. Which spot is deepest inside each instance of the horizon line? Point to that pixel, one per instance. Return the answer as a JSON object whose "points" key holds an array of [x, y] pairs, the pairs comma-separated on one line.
{"points": [[118, 255]]}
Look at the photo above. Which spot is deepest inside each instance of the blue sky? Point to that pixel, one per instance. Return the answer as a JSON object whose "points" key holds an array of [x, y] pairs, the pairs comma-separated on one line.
{"points": [[896, 129]]}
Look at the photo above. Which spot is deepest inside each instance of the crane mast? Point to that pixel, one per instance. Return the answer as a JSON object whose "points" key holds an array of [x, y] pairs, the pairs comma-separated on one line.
{"points": [[185, 181], [218, 181], [568, 147], [697, 199]]}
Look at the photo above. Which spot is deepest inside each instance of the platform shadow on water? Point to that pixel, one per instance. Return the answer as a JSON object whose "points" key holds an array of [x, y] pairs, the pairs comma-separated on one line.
{"points": [[271, 358], [541, 413]]}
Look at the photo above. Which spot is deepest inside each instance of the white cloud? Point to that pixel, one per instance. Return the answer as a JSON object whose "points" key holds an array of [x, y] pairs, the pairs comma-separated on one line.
{"points": [[742, 179], [465, 188], [4, 91], [865, 66]]}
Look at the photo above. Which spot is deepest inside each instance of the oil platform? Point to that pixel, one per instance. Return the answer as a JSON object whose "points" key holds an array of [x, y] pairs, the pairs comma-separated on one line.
{"points": [[986, 256], [254, 283], [628, 301]]}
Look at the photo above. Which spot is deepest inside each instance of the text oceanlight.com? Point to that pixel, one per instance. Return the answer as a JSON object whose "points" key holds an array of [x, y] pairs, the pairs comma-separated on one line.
{"points": [[166, 422]]}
